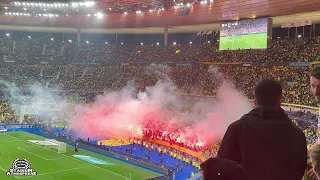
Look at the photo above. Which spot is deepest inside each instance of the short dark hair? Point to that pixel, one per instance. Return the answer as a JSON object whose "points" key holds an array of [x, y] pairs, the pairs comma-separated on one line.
{"points": [[315, 72], [267, 92]]}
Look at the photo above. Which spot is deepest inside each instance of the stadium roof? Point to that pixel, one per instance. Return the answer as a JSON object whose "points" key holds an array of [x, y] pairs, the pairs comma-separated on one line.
{"points": [[277, 21], [209, 15]]}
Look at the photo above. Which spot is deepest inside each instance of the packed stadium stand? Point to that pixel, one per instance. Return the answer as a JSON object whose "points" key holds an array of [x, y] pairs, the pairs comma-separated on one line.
{"points": [[191, 76], [194, 79], [52, 87]]}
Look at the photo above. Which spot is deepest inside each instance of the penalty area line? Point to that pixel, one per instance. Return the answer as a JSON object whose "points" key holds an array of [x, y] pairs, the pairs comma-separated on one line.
{"points": [[52, 159], [32, 153]]}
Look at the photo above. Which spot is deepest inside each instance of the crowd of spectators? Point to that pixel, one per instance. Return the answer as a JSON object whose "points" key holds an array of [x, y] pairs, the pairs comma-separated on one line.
{"points": [[189, 80], [46, 51], [7, 114], [51, 67]]}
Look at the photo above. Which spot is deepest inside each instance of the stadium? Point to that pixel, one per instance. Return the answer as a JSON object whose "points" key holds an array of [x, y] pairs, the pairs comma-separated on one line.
{"points": [[145, 89]]}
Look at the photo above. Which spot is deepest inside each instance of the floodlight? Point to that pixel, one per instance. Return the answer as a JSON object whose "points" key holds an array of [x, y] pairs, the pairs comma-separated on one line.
{"points": [[99, 15]]}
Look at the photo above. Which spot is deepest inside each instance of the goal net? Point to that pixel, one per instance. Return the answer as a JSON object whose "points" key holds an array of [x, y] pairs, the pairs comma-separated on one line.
{"points": [[53, 144]]}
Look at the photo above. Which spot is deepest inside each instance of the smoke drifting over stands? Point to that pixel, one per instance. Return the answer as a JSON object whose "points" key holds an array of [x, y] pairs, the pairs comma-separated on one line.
{"points": [[104, 67]]}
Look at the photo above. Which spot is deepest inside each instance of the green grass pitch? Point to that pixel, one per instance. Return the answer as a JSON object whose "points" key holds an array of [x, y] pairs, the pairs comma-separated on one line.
{"points": [[253, 41], [51, 165]]}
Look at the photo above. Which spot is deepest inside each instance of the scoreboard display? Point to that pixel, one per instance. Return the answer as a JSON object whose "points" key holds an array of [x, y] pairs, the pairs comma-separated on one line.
{"points": [[245, 34]]}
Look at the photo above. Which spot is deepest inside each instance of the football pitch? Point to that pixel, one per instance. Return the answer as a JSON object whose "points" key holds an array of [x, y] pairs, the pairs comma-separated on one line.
{"points": [[51, 165], [253, 41]]}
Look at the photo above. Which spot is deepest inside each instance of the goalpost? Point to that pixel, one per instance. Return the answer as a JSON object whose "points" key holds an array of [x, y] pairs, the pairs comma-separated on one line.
{"points": [[3, 131], [60, 146]]}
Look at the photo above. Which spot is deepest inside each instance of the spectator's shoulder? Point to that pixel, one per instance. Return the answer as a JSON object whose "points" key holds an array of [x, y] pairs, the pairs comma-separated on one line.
{"points": [[237, 124], [297, 130]]}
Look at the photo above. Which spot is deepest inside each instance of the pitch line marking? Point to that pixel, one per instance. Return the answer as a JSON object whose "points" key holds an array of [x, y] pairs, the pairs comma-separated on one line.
{"points": [[43, 174], [33, 153], [10, 141], [71, 157], [52, 159], [7, 170]]}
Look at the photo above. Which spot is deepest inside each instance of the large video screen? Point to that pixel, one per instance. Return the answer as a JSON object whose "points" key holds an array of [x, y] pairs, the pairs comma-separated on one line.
{"points": [[244, 34]]}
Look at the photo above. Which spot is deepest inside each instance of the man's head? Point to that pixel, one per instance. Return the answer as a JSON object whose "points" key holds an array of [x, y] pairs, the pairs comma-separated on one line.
{"points": [[315, 82], [268, 93]]}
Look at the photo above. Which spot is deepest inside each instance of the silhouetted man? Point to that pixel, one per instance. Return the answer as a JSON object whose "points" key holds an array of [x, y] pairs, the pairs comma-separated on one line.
{"points": [[265, 141]]}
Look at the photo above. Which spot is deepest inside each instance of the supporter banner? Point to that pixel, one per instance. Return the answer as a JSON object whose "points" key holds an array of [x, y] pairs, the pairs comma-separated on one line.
{"points": [[246, 64], [168, 64], [221, 63], [87, 63], [182, 65], [268, 64], [181, 149], [300, 64], [316, 63], [140, 64], [110, 64], [236, 64]]}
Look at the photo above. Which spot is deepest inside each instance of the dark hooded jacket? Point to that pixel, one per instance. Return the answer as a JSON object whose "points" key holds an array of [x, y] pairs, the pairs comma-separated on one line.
{"points": [[222, 169], [267, 144]]}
